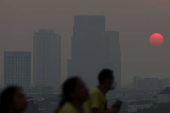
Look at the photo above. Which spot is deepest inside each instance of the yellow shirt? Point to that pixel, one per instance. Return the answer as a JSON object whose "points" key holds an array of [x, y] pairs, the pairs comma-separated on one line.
{"points": [[97, 100], [67, 108]]}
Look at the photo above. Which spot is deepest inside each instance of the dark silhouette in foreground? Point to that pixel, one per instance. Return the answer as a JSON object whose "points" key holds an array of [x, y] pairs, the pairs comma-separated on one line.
{"points": [[74, 94], [97, 101], [12, 100]]}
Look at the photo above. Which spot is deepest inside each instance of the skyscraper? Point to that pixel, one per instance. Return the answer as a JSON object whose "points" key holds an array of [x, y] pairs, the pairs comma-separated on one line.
{"points": [[17, 69], [113, 54], [93, 49], [47, 58]]}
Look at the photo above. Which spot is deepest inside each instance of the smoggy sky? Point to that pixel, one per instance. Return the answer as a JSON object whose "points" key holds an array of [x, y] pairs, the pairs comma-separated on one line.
{"points": [[136, 20]]}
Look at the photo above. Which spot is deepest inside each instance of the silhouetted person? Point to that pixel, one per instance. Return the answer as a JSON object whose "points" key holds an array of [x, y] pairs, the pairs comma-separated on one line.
{"points": [[74, 94], [12, 100], [97, 100]]}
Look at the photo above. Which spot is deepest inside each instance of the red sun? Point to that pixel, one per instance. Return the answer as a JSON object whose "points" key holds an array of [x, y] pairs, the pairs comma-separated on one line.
{"points": [[156, 39]]}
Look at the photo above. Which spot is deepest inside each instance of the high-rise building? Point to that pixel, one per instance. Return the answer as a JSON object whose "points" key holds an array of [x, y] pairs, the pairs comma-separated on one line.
{"points": [[17, 69], [93, 49], [47, 58], [113, 54]]}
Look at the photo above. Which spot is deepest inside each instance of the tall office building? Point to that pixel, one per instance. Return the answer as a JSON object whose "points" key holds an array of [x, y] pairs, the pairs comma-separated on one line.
{"points": [[17, 69], [93, 49], [113, 54], [47, 58]]}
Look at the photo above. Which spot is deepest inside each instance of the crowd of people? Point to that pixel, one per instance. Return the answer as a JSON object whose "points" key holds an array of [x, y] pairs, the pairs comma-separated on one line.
{"points": [[75, 96]]}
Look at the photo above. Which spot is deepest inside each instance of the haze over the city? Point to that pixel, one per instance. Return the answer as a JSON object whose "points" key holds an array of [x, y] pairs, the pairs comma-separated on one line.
{"points": [[135, 20]]}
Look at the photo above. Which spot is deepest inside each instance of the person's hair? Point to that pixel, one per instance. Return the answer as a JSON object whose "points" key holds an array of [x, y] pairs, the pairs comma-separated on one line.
{"points": [[105, 74], [67, 88], [6, 97]]}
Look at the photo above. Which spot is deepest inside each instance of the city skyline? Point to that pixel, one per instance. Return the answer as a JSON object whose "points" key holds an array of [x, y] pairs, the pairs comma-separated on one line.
{"points": [[43, 43], [149, 83], [134, 20]]}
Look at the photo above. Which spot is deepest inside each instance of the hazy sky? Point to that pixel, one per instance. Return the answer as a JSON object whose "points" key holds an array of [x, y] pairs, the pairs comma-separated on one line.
{"points": [[136, 20]]}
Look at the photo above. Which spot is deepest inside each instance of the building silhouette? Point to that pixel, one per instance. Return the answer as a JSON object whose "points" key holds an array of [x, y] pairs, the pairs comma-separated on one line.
{"points": [[149, 83], [17, 69], [32, 105], [93, 49], [164, 96], [47, 58]]}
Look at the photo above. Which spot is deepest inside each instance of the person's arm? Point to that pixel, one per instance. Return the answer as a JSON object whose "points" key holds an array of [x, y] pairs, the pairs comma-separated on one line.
{"points": [[95, 103]]}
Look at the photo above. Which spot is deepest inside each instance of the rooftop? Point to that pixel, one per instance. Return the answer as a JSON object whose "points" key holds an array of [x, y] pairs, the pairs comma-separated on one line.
{"points": [[165, 91]]}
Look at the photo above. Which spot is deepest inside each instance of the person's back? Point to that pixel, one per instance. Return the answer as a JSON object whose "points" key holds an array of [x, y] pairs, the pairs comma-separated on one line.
{"points": [[67, 107], [96, 102], [74, 95]]}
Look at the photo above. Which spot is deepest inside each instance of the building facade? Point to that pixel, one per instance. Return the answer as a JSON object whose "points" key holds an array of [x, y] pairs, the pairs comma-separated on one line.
{"points": [[93, 49], [32, 105], [42, 90], [164, 96], [17, 69], [150, 83], [135, 83], [1, 81], [133, 107], [47, 58], [113, 54]]}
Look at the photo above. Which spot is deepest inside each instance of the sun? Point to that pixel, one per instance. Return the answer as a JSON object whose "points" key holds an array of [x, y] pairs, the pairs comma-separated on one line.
{"points": [[156, 39]]}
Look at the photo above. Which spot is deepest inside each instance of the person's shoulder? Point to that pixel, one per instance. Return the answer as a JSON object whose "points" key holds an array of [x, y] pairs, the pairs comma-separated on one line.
{"points": [[67, 108], [96, 91]]}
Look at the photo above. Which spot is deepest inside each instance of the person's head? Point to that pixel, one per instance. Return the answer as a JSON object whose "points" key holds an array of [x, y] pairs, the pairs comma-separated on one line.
{"points": [[106, 79], [73, 89], [12, 99]]}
